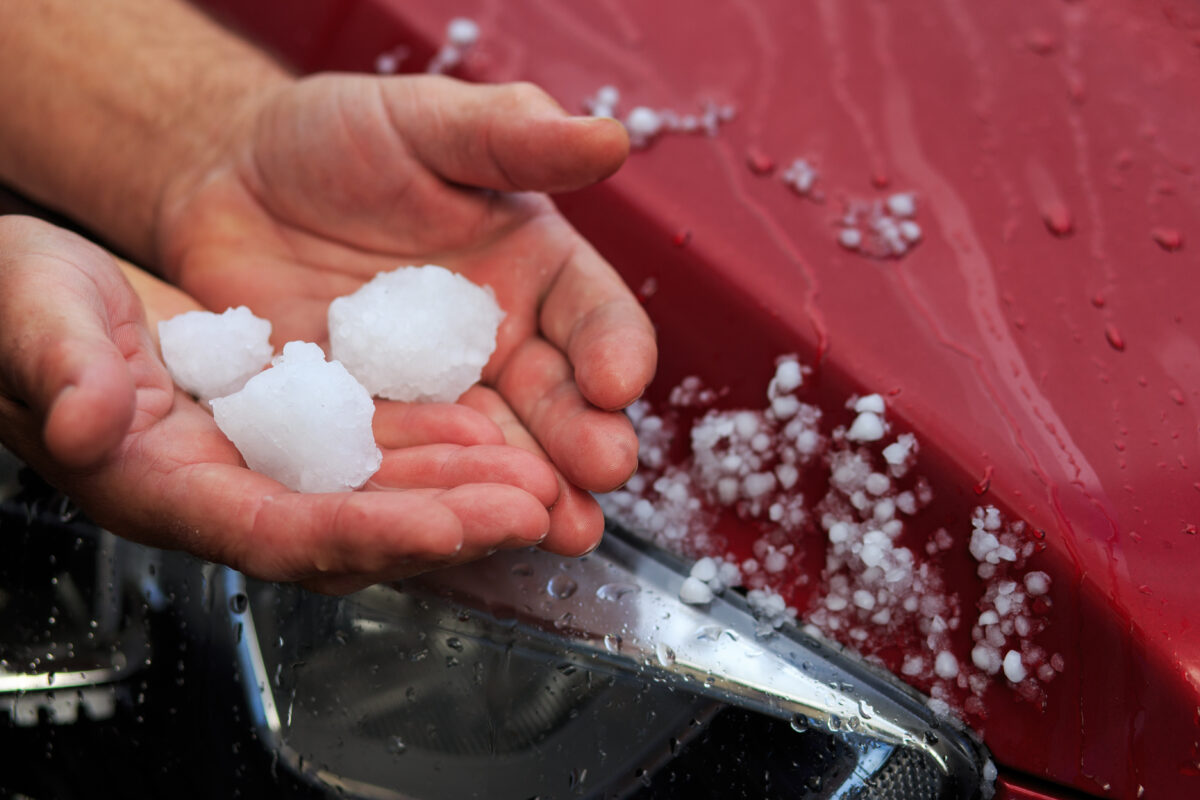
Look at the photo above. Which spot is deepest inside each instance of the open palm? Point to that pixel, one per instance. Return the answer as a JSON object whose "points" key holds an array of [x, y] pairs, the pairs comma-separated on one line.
{"points": [[331, 179], [86, 401]]}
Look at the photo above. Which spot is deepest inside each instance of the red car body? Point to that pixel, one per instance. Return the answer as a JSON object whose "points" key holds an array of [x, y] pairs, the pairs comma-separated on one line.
{"points": [[1042, 340]]}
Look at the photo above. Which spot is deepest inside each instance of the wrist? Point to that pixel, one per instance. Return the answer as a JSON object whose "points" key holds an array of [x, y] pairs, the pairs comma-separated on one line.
{"points": [[101, 137], [221, 148]]}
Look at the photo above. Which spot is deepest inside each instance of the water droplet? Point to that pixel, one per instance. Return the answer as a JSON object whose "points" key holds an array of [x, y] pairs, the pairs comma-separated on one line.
{"points": [[759, 162], [564, 621], [612, 643], [985, 482], [1058, 219], [522, 569], [239, 603], [865, 709], [800, 723], [396, 746], [1114, 337], [454, 643], [709, 633], [561, 586], [1041, 42], [834, 722], [930, 738], [452, 661], [1168, 239], [666, 656], [567, 669], [615, 591]]}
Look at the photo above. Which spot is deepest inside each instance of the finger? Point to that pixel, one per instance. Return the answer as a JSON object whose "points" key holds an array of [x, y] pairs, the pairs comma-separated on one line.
{"points": [[590, 314], [510, 137], [576, 522], [495, 516], [399, 425], [492, 517], [273, 534], [449, 465], [65, 313], [596, 450]]}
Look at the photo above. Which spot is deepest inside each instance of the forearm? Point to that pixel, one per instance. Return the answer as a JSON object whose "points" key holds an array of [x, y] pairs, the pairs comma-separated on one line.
{"points": [[106, 101]]}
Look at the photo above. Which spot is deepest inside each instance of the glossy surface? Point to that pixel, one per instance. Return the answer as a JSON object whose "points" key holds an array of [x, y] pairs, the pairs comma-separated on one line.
{"points": [[1043, 339]]}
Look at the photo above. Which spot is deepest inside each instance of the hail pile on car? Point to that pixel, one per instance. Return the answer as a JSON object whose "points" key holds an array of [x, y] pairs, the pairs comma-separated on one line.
{"points": [[881, 589]]}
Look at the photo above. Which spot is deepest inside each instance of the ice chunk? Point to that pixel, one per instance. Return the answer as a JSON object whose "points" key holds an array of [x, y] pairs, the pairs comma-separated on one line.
{"points": [[1037, 583], [902, 204], [643, 124], [986, 658], [462, 32], [305, 422], [867, 427], [870, 402], [695, 592], [946, 665], [788, 377], [801, 176], [705, 569], [417, 334], [910, 230], [1014, 670], [211, 355]]}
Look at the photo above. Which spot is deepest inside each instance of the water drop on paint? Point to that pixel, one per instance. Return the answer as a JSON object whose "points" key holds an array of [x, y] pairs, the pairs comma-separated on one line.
{"points": [[1168, 239], [1114, 337], [1058, 220], [759, 162]]}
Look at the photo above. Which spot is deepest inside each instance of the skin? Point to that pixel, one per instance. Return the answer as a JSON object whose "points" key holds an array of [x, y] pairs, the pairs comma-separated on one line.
{"points": [[245, 186]]}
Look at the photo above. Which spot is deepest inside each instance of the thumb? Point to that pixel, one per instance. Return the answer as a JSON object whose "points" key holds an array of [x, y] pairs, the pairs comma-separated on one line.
{"points": [[510, 137], [65, 314]]}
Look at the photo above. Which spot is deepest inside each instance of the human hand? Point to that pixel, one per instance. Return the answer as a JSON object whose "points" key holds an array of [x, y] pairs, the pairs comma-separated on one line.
{"points": [[325, 181], [85, 400]]}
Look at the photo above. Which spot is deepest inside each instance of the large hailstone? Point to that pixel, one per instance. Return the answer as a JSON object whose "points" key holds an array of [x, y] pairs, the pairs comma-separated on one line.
{"points": [[304, 422], [211, 355], [418, 334]]}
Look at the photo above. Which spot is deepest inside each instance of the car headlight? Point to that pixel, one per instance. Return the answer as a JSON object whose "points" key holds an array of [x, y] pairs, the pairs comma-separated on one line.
{"points": [[530, 674]]}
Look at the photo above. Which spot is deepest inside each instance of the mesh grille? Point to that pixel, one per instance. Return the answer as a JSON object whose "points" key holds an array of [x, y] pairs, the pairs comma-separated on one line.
{"points": [[906, 775]]}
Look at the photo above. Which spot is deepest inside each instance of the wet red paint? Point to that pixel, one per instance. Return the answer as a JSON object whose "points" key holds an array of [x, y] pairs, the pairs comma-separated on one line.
{"points": [[1008, 120]]}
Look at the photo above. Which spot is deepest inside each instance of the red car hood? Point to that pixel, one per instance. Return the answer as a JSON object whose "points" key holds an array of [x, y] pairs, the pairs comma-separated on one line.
{"points": [[1042, 340]]}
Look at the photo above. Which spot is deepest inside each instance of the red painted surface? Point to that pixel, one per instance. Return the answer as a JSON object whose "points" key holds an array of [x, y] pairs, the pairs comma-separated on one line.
{"points": [[1043, 339], [1010, 787]]}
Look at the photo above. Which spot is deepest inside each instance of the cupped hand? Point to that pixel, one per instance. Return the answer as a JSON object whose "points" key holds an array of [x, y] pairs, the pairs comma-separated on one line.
{"points": [[328, 180], [85, 400]]}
